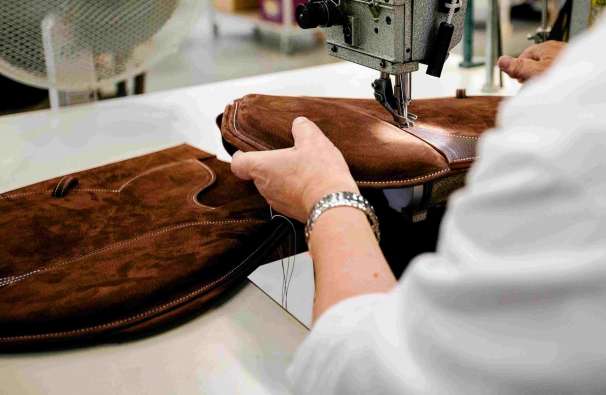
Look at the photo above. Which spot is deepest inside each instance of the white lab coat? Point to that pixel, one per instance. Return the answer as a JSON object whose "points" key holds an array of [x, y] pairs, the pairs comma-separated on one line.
{"points": [[514, 300]]}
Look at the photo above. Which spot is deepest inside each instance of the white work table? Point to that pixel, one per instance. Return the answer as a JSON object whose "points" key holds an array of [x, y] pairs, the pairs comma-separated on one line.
{"points": [[240, 346]]}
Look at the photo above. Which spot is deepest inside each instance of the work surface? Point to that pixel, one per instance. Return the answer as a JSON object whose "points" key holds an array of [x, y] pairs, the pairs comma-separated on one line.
{"points": [[241, 346]]}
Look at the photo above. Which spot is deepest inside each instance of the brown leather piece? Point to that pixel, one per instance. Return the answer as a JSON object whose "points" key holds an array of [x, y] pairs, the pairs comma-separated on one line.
{"points": [[132, 246], [379, 153]]}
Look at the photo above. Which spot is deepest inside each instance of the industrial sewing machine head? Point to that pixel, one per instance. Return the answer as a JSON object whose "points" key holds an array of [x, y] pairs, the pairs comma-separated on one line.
{"points": [[391, 36]]}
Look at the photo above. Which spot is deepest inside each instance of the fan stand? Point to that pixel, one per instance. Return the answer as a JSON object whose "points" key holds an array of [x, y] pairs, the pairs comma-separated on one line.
{"points": [[67, 64]]}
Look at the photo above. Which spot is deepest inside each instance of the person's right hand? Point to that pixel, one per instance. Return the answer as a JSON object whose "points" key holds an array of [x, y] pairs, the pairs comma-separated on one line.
{"points": [[532, 62]]}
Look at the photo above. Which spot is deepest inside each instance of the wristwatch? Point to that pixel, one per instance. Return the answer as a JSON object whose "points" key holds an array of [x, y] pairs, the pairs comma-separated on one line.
{"points": [[342, 199]]}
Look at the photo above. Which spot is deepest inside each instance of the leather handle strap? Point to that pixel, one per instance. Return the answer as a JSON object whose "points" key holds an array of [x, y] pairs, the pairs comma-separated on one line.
{"points": [[456, 149], [63, 187]]}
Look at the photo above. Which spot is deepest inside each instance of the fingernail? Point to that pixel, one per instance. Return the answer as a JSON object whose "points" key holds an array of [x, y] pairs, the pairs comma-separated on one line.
{"points": [[299, 120]]}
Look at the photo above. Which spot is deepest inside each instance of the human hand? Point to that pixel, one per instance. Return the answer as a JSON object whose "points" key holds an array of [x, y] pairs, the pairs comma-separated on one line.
{"points": [[532, 62], [293, 179]]}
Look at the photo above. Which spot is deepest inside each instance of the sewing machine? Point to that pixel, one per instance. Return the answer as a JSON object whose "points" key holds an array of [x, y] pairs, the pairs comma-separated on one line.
{"points": [[391, 36]]}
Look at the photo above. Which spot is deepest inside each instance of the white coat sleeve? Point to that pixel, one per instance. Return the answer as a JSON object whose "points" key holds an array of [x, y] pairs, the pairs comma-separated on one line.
{"points": [[514, 299]]}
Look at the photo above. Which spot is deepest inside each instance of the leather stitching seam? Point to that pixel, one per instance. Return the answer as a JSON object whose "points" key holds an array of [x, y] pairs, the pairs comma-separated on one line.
{"points": [[414, 179], [8, 196], [6, 281], [135, 317], [195, 191], [465, 159], [421, 178]]}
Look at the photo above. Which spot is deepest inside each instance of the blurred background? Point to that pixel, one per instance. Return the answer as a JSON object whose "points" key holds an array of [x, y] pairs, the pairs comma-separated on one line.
{"points": [[240, 38]]}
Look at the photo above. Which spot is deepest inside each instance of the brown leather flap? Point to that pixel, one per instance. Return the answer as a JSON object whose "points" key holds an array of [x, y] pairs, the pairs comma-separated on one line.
{"points": [[379, 153], [126, 247]]}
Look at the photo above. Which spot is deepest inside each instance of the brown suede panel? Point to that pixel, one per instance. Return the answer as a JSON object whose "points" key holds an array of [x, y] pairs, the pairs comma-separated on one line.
{"points": [[127, 247], [379, 153]]}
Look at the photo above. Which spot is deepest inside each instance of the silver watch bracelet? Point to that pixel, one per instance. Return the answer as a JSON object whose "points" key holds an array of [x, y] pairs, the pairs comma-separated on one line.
{"points": [[342, 199]]}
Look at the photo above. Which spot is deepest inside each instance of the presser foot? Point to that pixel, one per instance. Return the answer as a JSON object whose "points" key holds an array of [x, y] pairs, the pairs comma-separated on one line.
{"points": [[407, 121], [396, 104]]}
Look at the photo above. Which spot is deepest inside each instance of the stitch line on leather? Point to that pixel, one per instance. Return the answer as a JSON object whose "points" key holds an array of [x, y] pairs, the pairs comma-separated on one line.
{"points": [[10, 280], [443, 133], [465, 159], [242, 136], [362, 182], [195, 191], [8, 196], [421, 178], [156, 168], [96, 190], [136, 317], [147, 172], [192, 197], [418, 133], [55, 190]]}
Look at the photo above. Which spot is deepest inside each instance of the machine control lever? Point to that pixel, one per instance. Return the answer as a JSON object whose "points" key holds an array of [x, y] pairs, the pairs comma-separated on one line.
{"points": [[439, 51]]}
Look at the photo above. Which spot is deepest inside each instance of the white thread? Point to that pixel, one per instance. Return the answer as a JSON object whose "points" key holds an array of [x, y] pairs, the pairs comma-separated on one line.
{"points": [[118, 190], [408, 180], [131, 318], [399, 182], [289, 270], [5, 281], [465, 159]]}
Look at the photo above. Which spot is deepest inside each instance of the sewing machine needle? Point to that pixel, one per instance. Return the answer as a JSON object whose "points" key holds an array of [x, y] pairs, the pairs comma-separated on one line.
{"points": [[403, 91]]}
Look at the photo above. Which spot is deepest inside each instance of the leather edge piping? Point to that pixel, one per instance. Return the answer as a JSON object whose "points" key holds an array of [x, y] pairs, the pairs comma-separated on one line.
{"points": [[134, 318], [393, 183]]}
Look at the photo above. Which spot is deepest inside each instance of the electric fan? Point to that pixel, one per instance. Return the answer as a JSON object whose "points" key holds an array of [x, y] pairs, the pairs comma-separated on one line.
{"points": [[82, 45]]}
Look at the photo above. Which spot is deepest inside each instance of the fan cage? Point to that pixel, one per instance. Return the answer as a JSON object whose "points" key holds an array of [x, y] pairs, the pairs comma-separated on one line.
{"points": [[92, 43]]}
